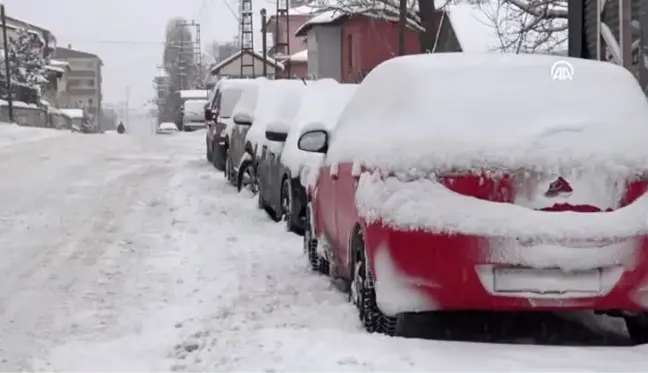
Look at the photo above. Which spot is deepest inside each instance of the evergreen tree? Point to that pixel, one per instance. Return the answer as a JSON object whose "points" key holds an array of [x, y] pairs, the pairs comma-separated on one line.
{"points": [[27, 64]]}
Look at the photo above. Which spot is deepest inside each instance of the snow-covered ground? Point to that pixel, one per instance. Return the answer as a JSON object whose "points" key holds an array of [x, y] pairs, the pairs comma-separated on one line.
{"points": [[130, 253]]}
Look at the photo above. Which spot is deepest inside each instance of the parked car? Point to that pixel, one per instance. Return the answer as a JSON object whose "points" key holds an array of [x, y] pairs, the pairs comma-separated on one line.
{"points": [[239, 151], [219, 119], [193, 114], [280, 174], [167, 128], [470, 197], [282, 106]]}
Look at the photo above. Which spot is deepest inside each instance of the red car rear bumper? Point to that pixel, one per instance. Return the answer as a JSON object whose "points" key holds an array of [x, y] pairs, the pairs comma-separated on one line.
{"points": [[418, 271]]}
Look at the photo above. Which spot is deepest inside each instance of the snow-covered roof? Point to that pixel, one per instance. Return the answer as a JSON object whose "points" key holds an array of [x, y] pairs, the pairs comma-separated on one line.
{"points": [[214, 70], [277, 105], [301, 56], [320, 108], [379, 10], [194, 94], [497, 111], [490, 26], [59, 63], [72, 113]]}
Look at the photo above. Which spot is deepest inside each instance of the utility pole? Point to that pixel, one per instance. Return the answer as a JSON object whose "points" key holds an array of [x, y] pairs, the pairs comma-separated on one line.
{"points": [[282, 44], [264, 41], [194, 52], [625, 32], [5, 43], [402, 26], [247, 38]]}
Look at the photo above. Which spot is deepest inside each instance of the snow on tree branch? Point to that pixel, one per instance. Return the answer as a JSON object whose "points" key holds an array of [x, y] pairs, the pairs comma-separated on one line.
{"points": [[384, 9], [534, 26]]}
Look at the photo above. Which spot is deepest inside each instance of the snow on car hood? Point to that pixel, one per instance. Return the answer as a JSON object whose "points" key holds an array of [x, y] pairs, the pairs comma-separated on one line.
{"points": [[427, 205], [493, 110]]}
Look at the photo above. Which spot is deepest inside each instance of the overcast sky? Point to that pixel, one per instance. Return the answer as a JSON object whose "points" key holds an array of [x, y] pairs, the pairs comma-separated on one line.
{"points": [[126, 34]]}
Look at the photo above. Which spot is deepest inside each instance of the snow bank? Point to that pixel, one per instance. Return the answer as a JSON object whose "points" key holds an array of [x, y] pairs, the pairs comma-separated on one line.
{"points": [[72, 113], [278, 103], [494, 111], [323, 102], [427, 205], [19, 104]]}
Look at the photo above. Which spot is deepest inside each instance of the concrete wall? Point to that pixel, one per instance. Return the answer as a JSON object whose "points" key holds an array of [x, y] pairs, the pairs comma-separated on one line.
{"points": [[30, 117]]}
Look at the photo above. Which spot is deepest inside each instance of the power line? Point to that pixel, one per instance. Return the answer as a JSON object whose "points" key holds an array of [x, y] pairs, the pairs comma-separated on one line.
{"points": [[125, 42]]}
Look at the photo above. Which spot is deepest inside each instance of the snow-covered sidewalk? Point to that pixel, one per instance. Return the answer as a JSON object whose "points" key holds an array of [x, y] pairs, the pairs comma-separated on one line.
{"points": [[138, 257]]}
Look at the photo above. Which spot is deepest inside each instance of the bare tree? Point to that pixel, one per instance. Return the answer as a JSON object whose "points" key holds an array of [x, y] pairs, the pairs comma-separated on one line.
{"points": [[528, 26]]}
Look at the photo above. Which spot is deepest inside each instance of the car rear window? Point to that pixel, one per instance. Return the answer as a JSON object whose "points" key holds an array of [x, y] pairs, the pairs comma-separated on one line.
{"points": [[228, 101]]}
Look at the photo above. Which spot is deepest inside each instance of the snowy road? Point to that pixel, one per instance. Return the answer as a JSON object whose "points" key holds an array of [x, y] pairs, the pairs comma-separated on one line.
{"points": [[124, 253]]}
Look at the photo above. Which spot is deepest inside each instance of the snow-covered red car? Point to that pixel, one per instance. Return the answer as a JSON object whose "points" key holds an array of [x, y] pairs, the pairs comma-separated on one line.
{"points": [[478, 182]]}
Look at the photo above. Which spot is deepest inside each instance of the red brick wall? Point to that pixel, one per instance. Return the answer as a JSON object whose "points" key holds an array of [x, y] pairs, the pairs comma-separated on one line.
{"points": [[367, 42]]}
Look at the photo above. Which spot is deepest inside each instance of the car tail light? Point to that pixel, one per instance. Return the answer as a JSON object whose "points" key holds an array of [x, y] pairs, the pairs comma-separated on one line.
{"points": [[484, 185], [501, 187]]}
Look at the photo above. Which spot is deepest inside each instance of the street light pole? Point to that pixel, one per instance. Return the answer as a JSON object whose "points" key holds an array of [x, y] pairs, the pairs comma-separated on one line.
{"points": [[5, 43], [264, 41], [402, 26]]}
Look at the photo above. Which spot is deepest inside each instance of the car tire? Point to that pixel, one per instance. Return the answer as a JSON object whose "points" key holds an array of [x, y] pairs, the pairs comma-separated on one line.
{"points": [[217, 158], [316, 262], [363, 295], [229, 169], [286, 202], [247, 167], [637, 328], [208, 152]]}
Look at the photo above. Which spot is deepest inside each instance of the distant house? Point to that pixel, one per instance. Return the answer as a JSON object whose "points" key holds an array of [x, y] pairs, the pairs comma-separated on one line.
{"points": [[251, 63], [56, 90], [84, 81], [347, 46], [46, 39], [297, 64], [282, 30]]}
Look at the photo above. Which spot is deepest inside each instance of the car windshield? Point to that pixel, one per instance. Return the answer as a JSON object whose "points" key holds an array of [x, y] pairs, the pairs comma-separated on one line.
{"points": [[228, 101]]}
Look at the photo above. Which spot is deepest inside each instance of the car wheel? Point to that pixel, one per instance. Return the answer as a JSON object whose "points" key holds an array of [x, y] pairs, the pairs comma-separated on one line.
{"points": [[637, 328], [316, 262], [217, 158], [287, 205], [208, 151], [363, 294], [229, 170], [246, 177]]}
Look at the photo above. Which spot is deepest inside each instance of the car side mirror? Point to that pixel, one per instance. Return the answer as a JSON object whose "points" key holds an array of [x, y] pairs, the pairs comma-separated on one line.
{"points": [[242, 120], [314, 141], [276, 136]]}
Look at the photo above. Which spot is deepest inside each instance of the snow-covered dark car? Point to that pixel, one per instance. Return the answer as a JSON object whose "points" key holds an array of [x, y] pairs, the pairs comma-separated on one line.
{"points": [[507, 190], [219, 119], [243, 115], [280, 175]]}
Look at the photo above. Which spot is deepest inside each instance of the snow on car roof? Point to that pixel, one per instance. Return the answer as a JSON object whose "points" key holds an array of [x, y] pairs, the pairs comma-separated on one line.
{"points": [[194, 94], [279, 101], [321, 106], [454, 110], [246, 105]]}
